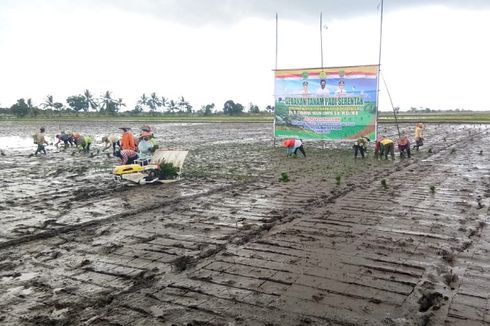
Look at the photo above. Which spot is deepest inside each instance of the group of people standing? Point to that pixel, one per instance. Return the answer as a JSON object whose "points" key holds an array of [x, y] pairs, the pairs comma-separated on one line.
{"points": [[125, 146]]}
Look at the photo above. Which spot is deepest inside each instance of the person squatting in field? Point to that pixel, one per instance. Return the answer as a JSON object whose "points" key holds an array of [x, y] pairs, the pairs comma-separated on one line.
{"points": [[404, 146], [293, 145], [127, 156], [360, 146], [419, 135], [40, 141]]}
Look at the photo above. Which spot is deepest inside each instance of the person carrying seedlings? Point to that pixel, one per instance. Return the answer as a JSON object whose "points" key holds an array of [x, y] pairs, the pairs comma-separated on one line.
{"points": [[127, 156], [127, 139], [388, 148], [111, 141], [404, 146], [419, 135], [85, 142], [40, 141], [360, 146], [293, 145]]}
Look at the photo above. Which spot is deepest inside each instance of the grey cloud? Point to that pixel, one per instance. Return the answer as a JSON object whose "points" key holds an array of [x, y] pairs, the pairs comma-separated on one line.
{"points": [[224, 12], [201, 12]]}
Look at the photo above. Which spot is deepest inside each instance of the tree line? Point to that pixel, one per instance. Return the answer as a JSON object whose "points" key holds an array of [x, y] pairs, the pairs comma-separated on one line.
{"points": [[108, 105]]}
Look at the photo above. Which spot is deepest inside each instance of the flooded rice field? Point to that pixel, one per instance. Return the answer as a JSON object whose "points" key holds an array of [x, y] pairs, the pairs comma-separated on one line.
{"points": [[343, 242]]}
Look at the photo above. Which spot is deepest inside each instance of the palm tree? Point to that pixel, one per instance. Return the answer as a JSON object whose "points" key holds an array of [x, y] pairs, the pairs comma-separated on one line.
{"points": [[171, 106], [154, 102], [184, 106], [143, 101], [89, 98], [108, 105], [32, 108], [164, 102], [48, 102], [120, 104]]}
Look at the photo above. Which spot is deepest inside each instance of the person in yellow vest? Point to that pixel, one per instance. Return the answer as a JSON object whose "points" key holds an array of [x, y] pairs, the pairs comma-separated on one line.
{"points": [[388, 147], [85, 142], [419, 135], [360, 146]]}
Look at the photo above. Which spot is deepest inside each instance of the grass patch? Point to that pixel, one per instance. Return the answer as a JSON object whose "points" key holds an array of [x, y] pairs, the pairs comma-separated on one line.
{"points": [[384, 184], [284, 177]]}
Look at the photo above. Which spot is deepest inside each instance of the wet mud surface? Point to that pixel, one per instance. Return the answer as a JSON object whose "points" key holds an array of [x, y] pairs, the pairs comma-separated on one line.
{"points": [[230, 244]]}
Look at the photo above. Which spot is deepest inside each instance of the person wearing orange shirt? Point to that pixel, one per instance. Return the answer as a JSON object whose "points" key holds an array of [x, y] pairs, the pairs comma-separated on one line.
{"points": [[293, 145], [127, 140]]}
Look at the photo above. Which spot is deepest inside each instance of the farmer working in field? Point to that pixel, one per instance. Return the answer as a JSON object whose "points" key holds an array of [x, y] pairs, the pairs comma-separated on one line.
{"points": [[75, 136], [127, 140], [378, 148], [85, 142], [67, 139], [40, 140], [404, 146], [293, 145], [146, 147], [127, 156], [360, 146], [388, 147], [419, 135], [111, 141]]}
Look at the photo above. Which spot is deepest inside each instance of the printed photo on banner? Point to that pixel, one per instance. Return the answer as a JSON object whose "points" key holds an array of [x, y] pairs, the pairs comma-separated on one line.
{"points": [[326, 103]]}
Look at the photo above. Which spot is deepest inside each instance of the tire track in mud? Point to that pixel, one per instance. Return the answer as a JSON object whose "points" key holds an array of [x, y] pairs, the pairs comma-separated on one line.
{"points": [[241, 270], [294, 270]]}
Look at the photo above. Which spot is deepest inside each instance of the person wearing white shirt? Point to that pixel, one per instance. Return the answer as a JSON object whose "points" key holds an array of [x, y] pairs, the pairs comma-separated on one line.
{"points": [[341, 89], [323, 89]]}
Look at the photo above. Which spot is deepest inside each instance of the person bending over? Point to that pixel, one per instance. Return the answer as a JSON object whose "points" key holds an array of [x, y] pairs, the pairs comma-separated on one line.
{"points": [[388, 147], [293, 145], [360, 146], [404, 146]]}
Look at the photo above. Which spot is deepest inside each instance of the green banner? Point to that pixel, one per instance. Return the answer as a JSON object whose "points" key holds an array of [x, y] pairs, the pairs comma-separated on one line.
{"points": [[326, 103]]}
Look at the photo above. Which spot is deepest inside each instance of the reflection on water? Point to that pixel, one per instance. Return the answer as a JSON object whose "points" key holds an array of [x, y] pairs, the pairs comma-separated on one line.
{"points": [[18, 142]]}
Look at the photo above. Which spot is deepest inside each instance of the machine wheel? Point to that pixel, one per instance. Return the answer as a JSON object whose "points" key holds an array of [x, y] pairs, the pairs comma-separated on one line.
{"points": [[152, 175]]}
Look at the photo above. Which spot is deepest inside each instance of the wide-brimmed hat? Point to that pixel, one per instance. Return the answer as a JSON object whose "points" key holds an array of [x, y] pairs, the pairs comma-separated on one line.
{"points": [[125, 128]]}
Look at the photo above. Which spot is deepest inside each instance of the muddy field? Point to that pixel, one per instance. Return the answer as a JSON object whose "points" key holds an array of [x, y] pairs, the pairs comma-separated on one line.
{"points": [[344, 242]]}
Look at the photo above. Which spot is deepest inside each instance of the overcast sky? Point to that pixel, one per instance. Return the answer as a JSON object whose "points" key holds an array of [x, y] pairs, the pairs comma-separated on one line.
{"points": [[434, 54]]}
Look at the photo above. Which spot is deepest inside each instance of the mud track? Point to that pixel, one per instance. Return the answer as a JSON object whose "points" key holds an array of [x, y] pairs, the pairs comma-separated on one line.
{"points": [[235, 246]]}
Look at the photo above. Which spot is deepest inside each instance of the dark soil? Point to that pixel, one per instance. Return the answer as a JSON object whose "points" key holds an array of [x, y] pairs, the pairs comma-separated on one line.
{"points": [[235, 242]]}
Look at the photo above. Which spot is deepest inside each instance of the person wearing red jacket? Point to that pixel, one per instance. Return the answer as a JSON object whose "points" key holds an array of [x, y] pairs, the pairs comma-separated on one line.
{"points": [[293, 145]]}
